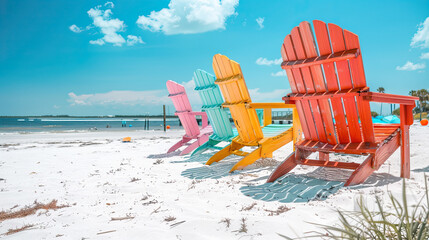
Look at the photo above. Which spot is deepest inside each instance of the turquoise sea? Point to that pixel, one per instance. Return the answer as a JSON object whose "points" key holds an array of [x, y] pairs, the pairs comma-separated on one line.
{"points": [[79, 124]]}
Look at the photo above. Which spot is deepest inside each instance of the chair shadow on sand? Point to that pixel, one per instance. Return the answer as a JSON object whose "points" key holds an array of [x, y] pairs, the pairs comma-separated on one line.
{"points": [[317, 185], [425, 169], [215, 171], [218, 170], [164, 155], [314, 186], [201, 158]]}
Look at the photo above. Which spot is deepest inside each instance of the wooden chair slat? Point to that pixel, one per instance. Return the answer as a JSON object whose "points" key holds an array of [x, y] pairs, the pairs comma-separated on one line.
{"points": [[289, 71], [338, 45], [366, 119], [291, 55], [303, 119], [356, 65]]}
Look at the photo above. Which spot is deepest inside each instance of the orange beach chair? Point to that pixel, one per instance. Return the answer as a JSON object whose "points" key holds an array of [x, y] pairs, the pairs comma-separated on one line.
{"points": [[267, 138], [334, 105]]}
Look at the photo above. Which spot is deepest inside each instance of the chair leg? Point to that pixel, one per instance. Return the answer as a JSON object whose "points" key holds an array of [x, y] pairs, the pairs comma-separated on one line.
{"points": [[201, 148], [178, 145], [225, 152], [200, 141], [286, 166], [362, 172], [405, 151], [209, 144], [247, 160]]}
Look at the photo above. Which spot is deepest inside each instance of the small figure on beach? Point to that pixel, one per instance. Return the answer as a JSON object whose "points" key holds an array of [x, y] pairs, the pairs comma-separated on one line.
{"points": [[124, 123]]}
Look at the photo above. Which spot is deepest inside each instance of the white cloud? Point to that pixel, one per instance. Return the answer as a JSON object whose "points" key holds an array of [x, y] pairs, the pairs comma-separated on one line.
{"points": [[134, 98], [108, 27], [424, 55], [156, 97], [279, 74], [264, 61], [273, 96], [186, 17], [75, 28], [409, 66], [132, 40], [97, 42], [260, 21], [421, 37], [109, 5]]}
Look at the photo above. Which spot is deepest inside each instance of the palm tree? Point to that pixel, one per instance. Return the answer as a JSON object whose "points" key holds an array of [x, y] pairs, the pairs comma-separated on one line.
{"points": [[414, 94], [423, 96], [381, 90]]}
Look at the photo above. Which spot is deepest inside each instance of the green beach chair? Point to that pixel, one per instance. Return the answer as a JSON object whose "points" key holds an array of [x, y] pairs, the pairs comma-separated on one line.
{"points": [[212, 104]]}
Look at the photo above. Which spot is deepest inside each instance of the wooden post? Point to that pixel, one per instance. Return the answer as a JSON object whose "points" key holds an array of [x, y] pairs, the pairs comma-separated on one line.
{"points": [[407, 118], [165, 126]]}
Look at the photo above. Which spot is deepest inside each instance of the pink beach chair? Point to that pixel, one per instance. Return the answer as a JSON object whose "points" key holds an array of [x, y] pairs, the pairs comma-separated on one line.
{"points": [[187, 118]]}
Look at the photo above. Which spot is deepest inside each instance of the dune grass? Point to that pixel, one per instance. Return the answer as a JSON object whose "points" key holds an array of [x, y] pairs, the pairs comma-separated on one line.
{"points": [[402, 222], [29, 210]]}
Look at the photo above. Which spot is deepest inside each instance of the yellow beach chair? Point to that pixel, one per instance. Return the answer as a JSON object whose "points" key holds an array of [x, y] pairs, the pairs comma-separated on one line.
{"points": [[268, 137]]}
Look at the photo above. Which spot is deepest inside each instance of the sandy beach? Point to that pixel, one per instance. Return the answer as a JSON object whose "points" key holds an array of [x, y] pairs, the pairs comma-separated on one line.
{"points": [[114, 190]]}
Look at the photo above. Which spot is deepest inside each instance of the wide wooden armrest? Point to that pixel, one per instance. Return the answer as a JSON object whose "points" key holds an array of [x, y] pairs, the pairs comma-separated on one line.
{"points": [[407, 103], [204, 118], [389, 98], [267, 109], [269, 105], [360, 92]]}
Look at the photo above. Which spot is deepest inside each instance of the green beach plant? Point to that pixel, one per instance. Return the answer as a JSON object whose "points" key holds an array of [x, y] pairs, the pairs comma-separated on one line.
{"points": [[402, 222]]}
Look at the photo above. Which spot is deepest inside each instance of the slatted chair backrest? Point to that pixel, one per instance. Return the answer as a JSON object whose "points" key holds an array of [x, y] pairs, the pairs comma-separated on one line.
{"points": [[234, 90], [212, 104], [336, 71], [181, 102]]}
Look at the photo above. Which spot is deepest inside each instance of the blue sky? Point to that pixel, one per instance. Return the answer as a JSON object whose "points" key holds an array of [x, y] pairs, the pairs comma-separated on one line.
{"points": [[97, 57]]}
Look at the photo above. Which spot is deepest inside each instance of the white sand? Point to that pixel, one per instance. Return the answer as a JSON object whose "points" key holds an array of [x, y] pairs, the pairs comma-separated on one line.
{"points": [[92, 172]]}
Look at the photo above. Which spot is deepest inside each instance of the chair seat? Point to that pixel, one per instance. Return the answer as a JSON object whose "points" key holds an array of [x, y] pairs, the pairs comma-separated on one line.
{"points": [[384, 130], [275, 129], [382, 133], [207, 130]]}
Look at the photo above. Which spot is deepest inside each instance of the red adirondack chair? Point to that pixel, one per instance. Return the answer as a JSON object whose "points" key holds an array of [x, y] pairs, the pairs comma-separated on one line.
{"points": [[187, 118], [334, 105]]}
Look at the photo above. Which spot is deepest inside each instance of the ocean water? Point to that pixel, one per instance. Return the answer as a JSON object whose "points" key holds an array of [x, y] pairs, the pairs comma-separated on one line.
{"points": [[80, 124]]}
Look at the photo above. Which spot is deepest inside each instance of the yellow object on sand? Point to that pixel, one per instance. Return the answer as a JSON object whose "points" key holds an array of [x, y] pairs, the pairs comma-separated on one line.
{"points": [[267, 138], [126, 139]]}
